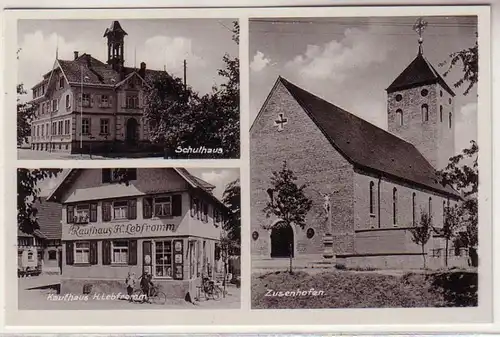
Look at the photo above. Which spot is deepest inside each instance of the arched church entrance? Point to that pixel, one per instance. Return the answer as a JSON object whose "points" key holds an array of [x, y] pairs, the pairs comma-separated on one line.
{"points": [[282, 240], [132, 128]]}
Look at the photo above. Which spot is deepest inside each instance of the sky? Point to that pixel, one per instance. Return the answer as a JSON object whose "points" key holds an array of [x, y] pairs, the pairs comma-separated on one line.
{"points": [[158, 43], [351, 61], [219, 177]]}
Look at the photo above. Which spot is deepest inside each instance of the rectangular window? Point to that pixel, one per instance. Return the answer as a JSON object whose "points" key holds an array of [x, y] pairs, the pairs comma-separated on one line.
{"points": [[47, 127], [43, 130], [61, 83], [82, 214], [60, 127], [119, 252], [163, 206], [82, 252], [86, 126], [163, 259], [66, 126], [132, 102], [104, 100], [86, 100], [38, 130], [204, 216], [120, 209], [68, 104], [54, 127], [104, 126]]}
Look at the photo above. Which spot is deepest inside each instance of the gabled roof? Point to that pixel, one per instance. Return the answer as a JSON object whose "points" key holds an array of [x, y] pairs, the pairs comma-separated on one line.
{"points": [[365, 145], [49, 218], [419, 72], [192, 180]]}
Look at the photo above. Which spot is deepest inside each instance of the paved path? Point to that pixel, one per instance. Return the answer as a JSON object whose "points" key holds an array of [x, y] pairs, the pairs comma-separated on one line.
{"points": [[47, 299]]}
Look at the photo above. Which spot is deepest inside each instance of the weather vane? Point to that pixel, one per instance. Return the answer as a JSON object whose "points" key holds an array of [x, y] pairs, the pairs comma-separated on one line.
{"points": [[419, 27]]}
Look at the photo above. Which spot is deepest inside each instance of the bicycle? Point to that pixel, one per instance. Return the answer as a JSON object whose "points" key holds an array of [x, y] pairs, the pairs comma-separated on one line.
{"points": [[211, 290], [155, 295]]}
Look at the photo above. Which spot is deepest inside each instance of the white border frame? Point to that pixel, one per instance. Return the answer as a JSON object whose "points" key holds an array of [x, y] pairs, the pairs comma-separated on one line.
{"points": [[428, 319]]}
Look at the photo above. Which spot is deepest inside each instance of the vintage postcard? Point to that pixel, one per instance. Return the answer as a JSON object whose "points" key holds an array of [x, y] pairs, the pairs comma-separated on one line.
{"points": [[320, 167], [101, 89]]}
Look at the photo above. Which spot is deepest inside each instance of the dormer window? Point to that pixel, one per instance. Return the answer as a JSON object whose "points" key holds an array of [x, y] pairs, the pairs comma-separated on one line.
{"points": [[117, 175]]}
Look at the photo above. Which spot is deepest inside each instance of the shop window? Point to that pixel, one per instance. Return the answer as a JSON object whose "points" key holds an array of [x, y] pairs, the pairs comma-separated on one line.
{"points": [[192, 259], [52, 255], [31, 257], [163, 206], [163, 259], [82, 252], [120, 209], [119, 251]]}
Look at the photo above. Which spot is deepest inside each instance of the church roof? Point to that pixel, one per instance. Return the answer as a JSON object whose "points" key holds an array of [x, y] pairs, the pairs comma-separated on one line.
{"points": [[418, 72], [115, 28], [366, 145]]}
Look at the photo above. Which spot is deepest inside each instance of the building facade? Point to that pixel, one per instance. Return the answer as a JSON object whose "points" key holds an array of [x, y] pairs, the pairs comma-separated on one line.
{"points": [[40, 252], [378, 183], [165, 222], [87, 105]]}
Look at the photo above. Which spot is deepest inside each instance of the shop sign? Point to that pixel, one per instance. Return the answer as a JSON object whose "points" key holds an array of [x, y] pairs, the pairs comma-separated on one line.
{"points": [[123, 230]]}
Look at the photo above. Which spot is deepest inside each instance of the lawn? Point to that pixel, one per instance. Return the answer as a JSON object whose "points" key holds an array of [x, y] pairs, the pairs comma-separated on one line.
{"points": [[347, 289]]}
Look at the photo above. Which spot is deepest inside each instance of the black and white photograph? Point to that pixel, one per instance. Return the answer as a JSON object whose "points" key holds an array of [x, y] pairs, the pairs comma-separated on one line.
{"points": [[135, 88], [128, 238], [364, 162]]}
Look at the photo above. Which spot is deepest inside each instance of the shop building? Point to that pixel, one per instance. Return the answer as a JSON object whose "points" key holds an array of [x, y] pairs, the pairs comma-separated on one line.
{"points": [[163, 221]]}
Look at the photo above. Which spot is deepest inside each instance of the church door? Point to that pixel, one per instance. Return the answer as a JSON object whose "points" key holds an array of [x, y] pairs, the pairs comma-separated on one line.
{"points": [[282, 241], [132, 127]]}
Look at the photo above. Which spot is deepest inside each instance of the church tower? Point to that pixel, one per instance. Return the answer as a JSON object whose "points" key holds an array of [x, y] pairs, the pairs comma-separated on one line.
{"points": [[116, 37], [420, 108]]}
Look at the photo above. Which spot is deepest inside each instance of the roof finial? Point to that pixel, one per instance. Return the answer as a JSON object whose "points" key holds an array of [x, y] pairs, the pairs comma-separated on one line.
{"points": [[419, 27], [57, 47]]}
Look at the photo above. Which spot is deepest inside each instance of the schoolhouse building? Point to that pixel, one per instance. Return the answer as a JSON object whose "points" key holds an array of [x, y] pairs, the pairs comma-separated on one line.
{"points": [[85, 104], [163, 221], [376, 182], [40, 252]]}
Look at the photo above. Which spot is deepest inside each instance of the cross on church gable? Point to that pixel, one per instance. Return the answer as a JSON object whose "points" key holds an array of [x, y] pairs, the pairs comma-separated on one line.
{"points": [[280, 122]]}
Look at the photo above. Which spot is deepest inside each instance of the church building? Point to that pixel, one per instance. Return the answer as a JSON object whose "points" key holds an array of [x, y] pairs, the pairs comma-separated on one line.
{"points": [[87, 105], [376, 182], [162, 221]]}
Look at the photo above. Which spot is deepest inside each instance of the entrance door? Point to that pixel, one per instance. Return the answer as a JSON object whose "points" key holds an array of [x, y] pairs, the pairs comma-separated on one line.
{"points": [[132, 126], [282, 241]]}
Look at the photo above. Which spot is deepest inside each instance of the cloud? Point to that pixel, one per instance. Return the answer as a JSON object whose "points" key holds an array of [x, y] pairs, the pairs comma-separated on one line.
{"points": [[465, 126], [356, 51], [219, 178], [259, 62]]}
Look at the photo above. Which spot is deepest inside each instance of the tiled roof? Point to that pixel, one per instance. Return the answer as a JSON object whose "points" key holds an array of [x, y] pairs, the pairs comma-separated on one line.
{"points": [[49, 218], [366, 145], [196, 181], [418, 72]]}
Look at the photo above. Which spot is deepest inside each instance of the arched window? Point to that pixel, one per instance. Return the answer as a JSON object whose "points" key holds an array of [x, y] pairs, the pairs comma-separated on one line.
{"points": [[441, 113], [399, 116], [372, 197], [413, 206], [449, 120], [425, 112], [430, 206], [394, 206]]}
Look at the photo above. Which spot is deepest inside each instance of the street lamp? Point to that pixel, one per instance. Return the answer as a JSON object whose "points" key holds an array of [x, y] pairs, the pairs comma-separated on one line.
{"points": [[81, 107]]}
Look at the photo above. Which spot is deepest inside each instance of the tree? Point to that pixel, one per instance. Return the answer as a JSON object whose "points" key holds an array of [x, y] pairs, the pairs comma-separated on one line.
{"points": [[287, 201], [25, 114], [232, 199], [464, 177], [451, 221], [421, 232], [468, 57], [28, 193]]}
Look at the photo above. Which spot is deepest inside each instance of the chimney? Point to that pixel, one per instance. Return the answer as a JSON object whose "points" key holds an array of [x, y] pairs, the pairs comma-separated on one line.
{"points": [[142, 70], [76, 54]]}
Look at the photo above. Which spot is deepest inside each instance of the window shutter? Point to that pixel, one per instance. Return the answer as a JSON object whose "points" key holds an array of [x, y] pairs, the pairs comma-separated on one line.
{"points": [[132, 252], [147, 208], [106, 211], [93, 212], [106, 252], [132, 209], [93, 252], [70, 214], [177, 205], [106, 175], [69, 253]]}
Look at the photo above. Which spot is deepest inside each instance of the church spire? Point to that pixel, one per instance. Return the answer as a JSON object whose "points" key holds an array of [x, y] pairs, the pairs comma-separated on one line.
{"points": [[419, 27]]}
